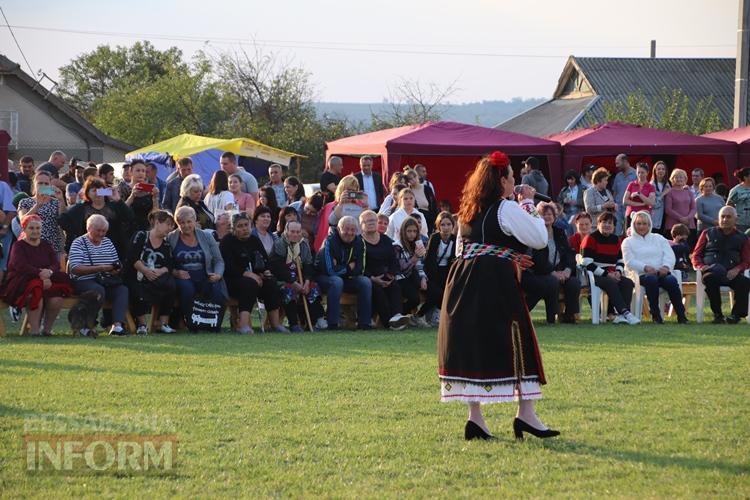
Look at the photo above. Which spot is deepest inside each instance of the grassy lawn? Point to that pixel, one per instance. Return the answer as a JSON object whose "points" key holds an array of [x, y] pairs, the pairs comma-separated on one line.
{"points": [[646, 411]]}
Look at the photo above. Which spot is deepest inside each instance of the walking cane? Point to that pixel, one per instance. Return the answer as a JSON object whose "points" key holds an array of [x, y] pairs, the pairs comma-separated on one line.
{"points": [[301, 281]]}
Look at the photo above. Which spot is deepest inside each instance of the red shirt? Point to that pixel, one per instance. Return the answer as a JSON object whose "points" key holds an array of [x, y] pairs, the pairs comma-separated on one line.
{"points": [[645, 190], [575, 242]]}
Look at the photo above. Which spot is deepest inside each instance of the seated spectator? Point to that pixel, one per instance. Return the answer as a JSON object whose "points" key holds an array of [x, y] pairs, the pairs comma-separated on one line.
{"points": [[96, 267], [571, 196], [722, 254], [96, 200], [411, 278], [562, 222], [582, 221], [244, 202], [341, 264], [554, 269], [294, 190], [148, 272], [288, 214], [263, 230], [390, 203], [603, 257], [309, 214], [598, 199], [219, 199], [349, 200], [441, 252], [424, 198], [198, 264], [34, 280], [8, 215], [267, 199], [640, 194], [707, 205], [47, 203], [650, 256], [139, 195], [381, 267], [679, 203], [248, 274], [383, 221], [291, 254], [191, 195], [407, 207], [680, 248]]}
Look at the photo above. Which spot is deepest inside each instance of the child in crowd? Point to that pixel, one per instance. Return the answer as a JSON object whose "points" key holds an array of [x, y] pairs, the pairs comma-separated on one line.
{"points": [[410, 251], [383, 223], [582, 222], [681, 249], [445, 206]]}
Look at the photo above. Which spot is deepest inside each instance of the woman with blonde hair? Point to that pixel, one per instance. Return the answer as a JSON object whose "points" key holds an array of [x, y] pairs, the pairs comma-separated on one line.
{"points": [[406, 207], [349, 200], [679, 204]]}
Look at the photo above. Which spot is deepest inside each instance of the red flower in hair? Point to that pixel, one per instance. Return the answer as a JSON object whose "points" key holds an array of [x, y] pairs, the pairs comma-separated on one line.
{"points": [[499, 159]]}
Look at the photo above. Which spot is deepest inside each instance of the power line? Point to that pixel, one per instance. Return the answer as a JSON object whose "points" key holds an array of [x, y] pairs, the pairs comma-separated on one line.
{"points": [[368, 47], [7, 24]]}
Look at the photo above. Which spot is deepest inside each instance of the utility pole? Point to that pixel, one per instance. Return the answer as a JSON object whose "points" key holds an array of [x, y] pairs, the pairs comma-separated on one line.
{"points": [[741, 68]]}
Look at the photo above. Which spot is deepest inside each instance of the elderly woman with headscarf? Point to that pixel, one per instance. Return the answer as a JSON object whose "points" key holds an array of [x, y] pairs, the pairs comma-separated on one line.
{"points": [[292, 264], [249, 277], [34, 280], [650, 255], [95, 266]]}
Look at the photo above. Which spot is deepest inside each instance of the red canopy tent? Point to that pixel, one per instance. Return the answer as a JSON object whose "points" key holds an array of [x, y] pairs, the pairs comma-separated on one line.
{"points": [[600, 144], [739, 136], [449, 151]]}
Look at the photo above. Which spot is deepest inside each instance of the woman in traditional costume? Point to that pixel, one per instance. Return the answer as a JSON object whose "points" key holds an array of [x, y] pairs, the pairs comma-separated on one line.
{"points": [[487, 347]]}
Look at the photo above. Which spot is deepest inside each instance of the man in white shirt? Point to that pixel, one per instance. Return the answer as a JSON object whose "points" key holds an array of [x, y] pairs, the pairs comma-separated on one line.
{"points": [[370, 182], [276, 183], [228, 164]]}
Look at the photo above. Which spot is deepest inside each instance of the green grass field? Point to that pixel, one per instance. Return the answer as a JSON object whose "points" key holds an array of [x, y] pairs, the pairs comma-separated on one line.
{"points": [[646, 411]]}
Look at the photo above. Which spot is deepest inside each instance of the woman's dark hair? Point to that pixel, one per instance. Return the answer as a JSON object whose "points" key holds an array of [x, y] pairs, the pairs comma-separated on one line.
{"points": [[572, 174], [159, 216], [88, 184], [581, 215], [281, 225], [410, 246], [606, 216], [742, 173], [722, 190], [317, 200], [260, 211], [219, 182], [666, 173], [270, 195], [642, 165], [481, 190], [300, 192]]}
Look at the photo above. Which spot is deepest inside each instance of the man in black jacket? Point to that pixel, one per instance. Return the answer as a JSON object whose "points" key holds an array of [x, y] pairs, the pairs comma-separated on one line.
{"points": [[554, 268], [370, 182]]}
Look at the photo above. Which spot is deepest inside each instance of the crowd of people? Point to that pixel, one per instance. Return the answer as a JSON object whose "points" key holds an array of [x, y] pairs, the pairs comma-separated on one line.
{"points": [[140, 242]]}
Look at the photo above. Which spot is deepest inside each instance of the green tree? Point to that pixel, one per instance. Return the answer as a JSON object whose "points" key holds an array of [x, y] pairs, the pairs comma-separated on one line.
{"points": [[412, 103], [670, 110], [93, 75]]}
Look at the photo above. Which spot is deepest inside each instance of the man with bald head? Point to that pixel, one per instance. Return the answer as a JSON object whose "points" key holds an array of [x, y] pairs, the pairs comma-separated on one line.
{"points": [[54, 166], [331, 177], [723, 254]]}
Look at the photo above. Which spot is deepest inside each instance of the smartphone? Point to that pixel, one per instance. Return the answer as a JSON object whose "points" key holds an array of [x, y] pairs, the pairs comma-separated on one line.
{"points": [[47, 190], [145, 187], [104, 192], [419, 243]]}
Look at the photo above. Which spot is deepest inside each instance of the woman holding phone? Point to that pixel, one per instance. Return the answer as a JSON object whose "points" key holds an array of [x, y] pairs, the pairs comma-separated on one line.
{"points": [[46, 202], [143, 197], [410, 252], [96, 200]]}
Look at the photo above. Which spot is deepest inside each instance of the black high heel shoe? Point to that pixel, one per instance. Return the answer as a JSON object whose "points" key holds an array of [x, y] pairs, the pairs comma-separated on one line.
{"points": [[473, 431], [519, 427]]}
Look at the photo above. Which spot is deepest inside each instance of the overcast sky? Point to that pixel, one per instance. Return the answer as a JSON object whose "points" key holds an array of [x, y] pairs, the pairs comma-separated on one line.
{"points": [[356, 50]]}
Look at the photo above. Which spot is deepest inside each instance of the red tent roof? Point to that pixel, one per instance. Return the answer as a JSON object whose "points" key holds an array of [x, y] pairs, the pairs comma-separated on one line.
{"points": [[737, 135], [440, 138], [634, 138]]}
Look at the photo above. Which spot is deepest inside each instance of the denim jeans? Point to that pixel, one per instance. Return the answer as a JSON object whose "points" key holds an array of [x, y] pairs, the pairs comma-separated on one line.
{"points": [[334, 286], [652, 283]]}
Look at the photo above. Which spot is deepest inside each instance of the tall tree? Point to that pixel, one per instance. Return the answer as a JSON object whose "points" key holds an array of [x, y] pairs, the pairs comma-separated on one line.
{"points": [[411, 103], [91, 76]]}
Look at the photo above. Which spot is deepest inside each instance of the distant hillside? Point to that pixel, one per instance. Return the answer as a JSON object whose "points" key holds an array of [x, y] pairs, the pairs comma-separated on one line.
{"points": [[486, 113]]}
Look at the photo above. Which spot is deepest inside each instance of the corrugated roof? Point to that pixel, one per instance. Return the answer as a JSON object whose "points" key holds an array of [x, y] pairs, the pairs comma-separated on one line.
{"points": [[547, 118]]}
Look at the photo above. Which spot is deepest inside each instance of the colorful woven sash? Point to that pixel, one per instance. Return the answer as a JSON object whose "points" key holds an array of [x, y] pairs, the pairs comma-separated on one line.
{"points": [[472, 250]]}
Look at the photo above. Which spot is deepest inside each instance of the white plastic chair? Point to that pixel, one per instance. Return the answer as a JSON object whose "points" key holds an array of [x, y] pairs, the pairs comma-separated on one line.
{"points": [[700, 295], [599, 300], [639, 292]]}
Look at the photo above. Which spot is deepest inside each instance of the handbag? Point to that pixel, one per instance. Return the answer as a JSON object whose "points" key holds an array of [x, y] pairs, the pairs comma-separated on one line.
{"points": [[106, 280]]}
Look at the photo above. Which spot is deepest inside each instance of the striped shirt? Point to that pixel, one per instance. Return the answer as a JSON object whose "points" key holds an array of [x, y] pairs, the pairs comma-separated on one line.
{"points": [[602, 254], [82, 248]]}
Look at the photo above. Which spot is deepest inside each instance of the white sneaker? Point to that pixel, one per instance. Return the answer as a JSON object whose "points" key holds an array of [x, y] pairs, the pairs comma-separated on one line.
{"points": [[141, 330], [166, 329], [418, 321], [321, 324], [15, 313], [630, 318], [398, 322], [620, 318], [117, 330]]}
